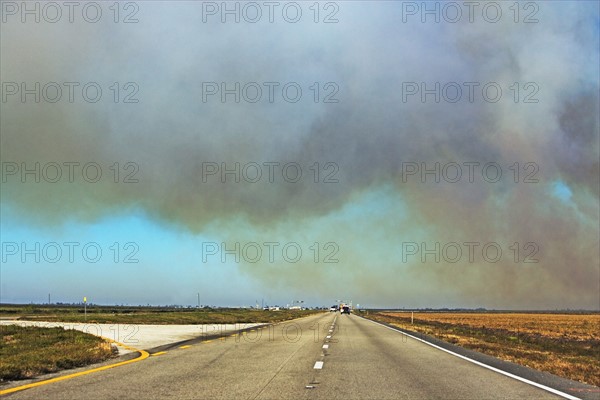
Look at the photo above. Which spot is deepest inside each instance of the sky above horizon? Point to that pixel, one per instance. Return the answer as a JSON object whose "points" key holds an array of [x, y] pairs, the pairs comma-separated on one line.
{"points": [[310, 152]]}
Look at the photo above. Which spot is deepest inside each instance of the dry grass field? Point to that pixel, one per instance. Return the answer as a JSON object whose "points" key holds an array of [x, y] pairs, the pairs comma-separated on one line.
{"points": [[29, 351], [566, 345], [146, 315]]}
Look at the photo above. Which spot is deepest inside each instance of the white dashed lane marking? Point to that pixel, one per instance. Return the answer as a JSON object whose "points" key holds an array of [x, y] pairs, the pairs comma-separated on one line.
{"points": [[319, 364]]}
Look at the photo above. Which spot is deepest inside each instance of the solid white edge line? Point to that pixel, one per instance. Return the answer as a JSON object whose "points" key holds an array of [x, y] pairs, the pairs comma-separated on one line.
{"points": [[538, 385]]}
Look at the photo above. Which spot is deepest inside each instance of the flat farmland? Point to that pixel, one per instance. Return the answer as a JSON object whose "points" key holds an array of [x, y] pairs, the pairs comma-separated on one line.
{"points": [[567, 345], [97, 314]]}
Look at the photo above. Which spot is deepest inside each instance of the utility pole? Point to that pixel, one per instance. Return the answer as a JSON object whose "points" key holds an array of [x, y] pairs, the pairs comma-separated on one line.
{"points": [[48, 298], [198, 300]]}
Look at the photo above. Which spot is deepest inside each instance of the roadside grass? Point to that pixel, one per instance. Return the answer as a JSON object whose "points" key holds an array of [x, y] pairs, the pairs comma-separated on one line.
{"points": [[149, 315], [567, 345], [29, 351]]}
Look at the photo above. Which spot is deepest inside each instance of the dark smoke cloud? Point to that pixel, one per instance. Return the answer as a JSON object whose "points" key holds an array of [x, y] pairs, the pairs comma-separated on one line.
{"points": [[369, 134]]}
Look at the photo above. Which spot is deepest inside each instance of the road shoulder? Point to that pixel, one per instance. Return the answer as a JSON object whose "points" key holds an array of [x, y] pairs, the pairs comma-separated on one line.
{"points": [[573, 388]]}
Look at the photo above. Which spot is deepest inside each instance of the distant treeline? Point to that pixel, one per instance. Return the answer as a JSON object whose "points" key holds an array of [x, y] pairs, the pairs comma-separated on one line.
{"points": [[9, 308]]}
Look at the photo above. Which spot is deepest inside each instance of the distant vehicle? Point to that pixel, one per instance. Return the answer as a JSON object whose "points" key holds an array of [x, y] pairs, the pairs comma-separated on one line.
{"points": [[334, 309], [345, 310]]}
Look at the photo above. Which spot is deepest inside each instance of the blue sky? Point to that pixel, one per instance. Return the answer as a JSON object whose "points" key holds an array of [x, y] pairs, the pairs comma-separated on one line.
{"points": [[151, 263], [148, 255]]}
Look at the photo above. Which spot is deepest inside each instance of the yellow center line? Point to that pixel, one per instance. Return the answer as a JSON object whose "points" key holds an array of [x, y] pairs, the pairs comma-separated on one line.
{"points": [[143, 355], [160, 353], [185, 347]]}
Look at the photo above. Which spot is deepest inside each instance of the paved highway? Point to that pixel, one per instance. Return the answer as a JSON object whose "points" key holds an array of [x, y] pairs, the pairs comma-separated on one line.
{"points": [[325, 356]]}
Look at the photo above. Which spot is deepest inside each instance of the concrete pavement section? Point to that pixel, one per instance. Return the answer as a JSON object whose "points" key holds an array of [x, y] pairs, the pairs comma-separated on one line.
{"points": [[362, 360], [142, 337]]}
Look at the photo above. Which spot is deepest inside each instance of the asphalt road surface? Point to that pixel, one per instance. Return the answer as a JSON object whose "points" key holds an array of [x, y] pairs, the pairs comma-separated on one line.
{"points": [[297, 360]]}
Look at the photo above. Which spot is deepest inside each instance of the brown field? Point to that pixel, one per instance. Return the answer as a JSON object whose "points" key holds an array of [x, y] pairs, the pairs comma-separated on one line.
{"points": [[566, 345]]}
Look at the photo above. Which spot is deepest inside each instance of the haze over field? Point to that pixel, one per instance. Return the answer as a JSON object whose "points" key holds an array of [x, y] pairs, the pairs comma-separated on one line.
{"points": [[370, 220]]}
